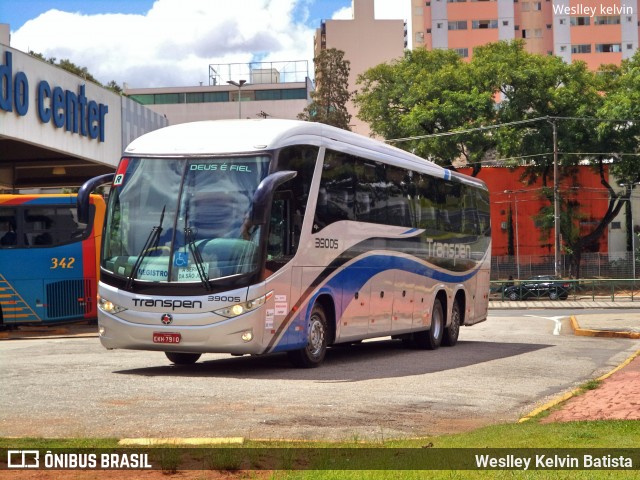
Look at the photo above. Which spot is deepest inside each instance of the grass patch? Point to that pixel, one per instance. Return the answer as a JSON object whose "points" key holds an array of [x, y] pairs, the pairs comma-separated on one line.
{"points": [[321, 458]]}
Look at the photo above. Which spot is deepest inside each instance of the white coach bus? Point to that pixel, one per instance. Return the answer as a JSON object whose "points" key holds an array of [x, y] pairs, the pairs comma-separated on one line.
{"points": [[261, 236]]}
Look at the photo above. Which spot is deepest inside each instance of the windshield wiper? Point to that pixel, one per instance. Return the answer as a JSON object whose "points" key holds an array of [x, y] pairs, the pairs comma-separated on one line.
{"points": [[152, 242], [197, 257]]}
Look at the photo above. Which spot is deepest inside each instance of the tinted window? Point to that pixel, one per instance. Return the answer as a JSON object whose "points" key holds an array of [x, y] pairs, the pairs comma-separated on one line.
{"points": [[47, 226]]}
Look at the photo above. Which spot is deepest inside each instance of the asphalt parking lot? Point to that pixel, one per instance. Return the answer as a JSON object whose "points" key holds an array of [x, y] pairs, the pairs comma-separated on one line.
{"points": [[501, 369]]}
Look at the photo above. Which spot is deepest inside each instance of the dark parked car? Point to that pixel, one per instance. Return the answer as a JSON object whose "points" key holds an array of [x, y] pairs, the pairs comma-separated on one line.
{"points": [[539, 286]]}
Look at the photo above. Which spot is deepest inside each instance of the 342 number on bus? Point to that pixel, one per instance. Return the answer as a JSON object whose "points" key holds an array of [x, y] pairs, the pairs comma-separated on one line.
{"points": [[327, 243], [62, 262]]}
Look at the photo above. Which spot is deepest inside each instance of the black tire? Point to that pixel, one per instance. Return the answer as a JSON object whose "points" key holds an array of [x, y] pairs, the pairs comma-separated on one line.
{"points": [[313, 354], [553, 295], [451, 333], [513, 296], [182, 358], [431, 339]]}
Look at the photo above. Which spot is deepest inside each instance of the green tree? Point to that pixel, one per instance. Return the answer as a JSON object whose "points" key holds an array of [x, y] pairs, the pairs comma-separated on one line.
{"points": [[429, 92], [432, 94], [81, 72], [329, 100]]}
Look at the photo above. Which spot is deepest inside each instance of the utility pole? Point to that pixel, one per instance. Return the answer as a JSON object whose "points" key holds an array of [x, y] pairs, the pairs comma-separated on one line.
{"points": [[556, 199]]}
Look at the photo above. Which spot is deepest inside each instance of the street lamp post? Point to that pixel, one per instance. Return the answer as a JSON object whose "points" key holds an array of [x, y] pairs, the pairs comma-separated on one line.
{"points": [[238, 84]]}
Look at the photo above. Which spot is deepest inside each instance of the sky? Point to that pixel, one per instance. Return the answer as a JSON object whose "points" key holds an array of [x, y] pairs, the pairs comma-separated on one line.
{"points": [[165, 43]]}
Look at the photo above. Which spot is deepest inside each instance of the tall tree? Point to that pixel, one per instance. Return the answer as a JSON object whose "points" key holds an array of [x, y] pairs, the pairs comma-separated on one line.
{"points": [[329, 100], [428, 92], [435, 93]]}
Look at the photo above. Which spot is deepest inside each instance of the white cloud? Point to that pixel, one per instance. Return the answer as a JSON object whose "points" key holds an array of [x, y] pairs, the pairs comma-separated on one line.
{"points": [[174, 43], [343, 14]]}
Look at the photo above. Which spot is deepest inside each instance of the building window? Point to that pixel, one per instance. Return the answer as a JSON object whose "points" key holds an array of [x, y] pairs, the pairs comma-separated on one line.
{"points": [[629, 46], [536, 6], [482, 24], [168, 98], [505, 23], [438, 25], [562, 21], [463, 52], [458, 25], [537, 33], [563, 48], [581, 48], [526, 6], [456, 1], [579, 21], [419, 37], [607, 20], [608, 47]]}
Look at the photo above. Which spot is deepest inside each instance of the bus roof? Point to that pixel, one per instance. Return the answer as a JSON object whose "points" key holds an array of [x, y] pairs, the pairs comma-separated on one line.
{"points": [[216, 137]]}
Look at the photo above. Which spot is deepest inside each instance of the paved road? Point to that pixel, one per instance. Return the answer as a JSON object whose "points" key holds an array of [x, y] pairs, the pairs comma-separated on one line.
{"points": [[499, 371]]}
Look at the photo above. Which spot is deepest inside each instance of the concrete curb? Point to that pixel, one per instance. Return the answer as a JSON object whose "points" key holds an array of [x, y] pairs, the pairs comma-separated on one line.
{"points": [[583, 332], [575, 391]]}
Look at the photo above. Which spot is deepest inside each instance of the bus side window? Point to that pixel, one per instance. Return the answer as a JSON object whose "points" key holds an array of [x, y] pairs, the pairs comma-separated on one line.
{"points": [[8, 235], [52, 225]]}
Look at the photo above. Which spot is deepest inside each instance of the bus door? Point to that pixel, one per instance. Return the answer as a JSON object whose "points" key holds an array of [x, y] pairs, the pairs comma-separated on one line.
{"points": [[280, 249]]}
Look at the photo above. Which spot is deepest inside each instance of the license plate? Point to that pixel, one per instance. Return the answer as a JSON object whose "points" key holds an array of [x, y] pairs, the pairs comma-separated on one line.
{"points": [[166, 337]]}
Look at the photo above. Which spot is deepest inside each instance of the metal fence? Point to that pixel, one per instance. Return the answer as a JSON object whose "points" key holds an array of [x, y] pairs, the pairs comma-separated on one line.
{"points": [[609, 290], [620, 265]]}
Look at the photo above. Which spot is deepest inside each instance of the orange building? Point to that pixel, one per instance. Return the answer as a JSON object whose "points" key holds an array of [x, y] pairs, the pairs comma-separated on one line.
{"points": [[595, 31], [513, 200]]}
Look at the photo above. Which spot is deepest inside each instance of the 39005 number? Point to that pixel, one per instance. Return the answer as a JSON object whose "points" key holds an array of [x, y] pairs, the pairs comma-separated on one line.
{"points": [[327, 243]]}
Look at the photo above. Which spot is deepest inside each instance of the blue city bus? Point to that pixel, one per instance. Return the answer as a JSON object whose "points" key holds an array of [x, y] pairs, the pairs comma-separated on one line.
{"points": [[48, 259]]}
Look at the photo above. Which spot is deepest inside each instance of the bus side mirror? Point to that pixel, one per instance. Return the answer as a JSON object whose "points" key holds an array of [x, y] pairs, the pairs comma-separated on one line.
{"points": [[261, 202], [89, 186]]}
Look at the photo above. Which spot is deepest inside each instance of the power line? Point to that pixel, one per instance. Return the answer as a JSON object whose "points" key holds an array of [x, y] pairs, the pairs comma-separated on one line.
{"points": [[508, 124]]}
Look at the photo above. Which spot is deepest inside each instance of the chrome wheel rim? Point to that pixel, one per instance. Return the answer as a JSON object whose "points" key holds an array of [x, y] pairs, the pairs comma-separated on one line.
{"points": [[316, 336]]}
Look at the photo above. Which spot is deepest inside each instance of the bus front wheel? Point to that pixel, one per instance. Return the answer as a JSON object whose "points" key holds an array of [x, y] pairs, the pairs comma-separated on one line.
{"points": [[431, 339], [313, 354], [181, 358]]}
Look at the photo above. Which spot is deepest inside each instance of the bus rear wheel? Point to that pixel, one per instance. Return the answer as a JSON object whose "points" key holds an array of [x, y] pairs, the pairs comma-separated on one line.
{"points": [[452, 332], [182, 358], [313, 354], [431, 339]]}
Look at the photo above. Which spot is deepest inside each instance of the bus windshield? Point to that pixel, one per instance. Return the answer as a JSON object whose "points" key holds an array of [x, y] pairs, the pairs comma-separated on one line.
{"points": [[183, 220]]}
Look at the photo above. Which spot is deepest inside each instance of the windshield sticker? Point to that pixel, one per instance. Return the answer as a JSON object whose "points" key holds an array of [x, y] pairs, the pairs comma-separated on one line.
{"points": [[152, 274], [122, 168], [223, 167], [191, 273], [181, 259]]}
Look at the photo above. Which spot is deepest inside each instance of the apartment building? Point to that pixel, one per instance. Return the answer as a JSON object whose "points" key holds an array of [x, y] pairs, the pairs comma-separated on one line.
{"points": [[365, 41], [596, 32]]}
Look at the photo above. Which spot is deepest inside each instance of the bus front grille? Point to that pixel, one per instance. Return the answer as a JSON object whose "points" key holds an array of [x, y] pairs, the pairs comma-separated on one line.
{"points": [[69, 298]]}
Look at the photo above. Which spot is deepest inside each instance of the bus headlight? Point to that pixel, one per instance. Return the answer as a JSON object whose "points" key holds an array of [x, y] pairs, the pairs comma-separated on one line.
{"points": [[242, 308], [109, 307]]}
